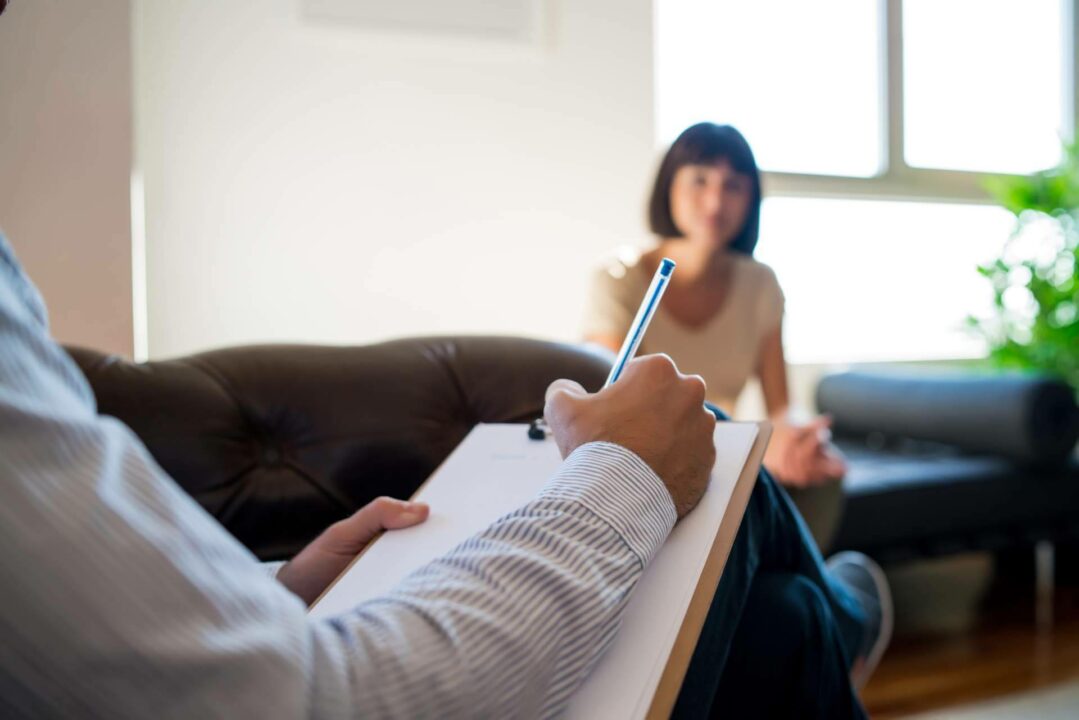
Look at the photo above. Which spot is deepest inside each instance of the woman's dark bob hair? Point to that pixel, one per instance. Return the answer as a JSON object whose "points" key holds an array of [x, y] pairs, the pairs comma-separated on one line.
{"points": [[704, 144]]}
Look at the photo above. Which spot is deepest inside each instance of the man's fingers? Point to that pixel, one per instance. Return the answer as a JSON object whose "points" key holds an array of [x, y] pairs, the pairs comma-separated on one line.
{"points": [[405, 515], [698, 391], [560, 407], [384, 513], [563, 385], [560, 394]]}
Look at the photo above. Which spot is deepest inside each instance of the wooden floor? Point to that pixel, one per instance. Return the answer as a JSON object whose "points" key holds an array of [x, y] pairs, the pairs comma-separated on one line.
{"points": [[1002, 654]]}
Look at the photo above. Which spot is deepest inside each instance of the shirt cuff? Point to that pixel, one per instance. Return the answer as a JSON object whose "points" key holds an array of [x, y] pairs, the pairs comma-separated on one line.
{"points": [[619, 487]]}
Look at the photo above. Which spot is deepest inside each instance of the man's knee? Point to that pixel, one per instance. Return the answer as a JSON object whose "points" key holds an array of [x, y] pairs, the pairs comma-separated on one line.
{"points": [[789, 610], [805, 604]]}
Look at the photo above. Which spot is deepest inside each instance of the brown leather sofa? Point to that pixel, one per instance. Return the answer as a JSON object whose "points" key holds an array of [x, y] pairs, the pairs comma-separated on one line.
{"points": [[279, 441]]}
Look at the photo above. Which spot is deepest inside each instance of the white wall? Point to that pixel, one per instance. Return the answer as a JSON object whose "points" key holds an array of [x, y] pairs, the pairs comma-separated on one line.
{"points": [[65, 154], [321, 183]]}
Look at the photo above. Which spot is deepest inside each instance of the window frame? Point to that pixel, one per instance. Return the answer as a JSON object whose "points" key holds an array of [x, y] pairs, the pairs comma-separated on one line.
{"points": [[897, 180]]}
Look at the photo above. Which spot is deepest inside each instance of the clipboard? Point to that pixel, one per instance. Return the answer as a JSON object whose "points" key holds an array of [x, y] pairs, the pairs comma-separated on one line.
{"points": [[643, 642], [670, 682]]}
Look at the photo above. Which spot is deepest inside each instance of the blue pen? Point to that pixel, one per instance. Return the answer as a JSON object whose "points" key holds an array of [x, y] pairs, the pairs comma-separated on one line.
{"points": [[537, 430], [644, 316], [640, 325]]}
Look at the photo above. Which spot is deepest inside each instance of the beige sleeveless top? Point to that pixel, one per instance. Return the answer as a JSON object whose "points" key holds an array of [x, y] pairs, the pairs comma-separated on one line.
{"points": [[725, 351]]}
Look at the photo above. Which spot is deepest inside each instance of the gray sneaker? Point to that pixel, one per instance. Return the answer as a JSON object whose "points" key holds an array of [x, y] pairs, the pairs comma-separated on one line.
{"points": [[866, 582]]}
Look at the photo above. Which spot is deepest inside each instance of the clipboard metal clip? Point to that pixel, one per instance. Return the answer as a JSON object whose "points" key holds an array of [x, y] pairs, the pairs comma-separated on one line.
{"points": [[538, 430]]}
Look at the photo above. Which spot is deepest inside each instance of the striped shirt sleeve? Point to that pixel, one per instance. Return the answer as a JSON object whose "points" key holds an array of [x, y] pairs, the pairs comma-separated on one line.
{"points": [[123, 598]]}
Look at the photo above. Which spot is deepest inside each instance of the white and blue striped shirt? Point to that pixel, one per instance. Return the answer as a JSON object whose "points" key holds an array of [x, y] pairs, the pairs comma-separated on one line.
{"points": [[122, 598]]}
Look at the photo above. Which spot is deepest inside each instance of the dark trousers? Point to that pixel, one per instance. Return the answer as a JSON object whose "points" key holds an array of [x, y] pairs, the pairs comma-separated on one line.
{"points": [[781, 634]]}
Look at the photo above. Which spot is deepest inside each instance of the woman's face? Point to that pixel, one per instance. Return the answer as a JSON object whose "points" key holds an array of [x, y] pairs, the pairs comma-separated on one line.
{"points": [[710, 202]]}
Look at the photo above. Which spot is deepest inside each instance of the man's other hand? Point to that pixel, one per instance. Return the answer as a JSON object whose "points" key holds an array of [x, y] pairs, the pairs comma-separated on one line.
{"points": [[653, 410], [318, 564]]}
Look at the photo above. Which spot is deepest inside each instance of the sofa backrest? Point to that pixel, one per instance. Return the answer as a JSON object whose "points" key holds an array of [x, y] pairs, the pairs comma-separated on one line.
{"points": [[278, 441]]}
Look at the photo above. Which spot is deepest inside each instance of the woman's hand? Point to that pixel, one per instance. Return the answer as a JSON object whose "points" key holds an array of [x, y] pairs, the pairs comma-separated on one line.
{"points": [[316, 566], [803, 455]]}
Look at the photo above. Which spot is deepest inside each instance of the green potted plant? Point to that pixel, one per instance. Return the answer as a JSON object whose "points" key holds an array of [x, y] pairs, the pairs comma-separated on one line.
{"points": [[1034, 324]]}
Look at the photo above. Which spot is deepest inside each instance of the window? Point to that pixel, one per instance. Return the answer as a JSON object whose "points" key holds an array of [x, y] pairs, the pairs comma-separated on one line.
{"points": [[878, 280], [874, 122], [810, 107], [983, 84]]}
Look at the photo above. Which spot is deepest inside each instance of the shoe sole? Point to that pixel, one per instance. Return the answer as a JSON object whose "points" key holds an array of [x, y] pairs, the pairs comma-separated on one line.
{"points": [[887, 617]]}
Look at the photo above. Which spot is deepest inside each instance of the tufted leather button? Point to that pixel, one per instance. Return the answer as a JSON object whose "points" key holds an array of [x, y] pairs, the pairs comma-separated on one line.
{"points": [[271, 456]]}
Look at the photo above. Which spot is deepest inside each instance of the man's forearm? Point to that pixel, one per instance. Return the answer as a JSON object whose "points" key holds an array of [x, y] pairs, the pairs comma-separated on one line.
{"points": [[510, 622], [133, 598]]}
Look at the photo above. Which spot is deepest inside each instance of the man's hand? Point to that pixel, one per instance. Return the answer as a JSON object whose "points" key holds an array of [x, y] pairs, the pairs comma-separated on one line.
{"points": [[316, 566], [653, 410]]}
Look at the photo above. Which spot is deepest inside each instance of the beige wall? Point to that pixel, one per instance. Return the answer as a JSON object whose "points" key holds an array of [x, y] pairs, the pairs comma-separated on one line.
{"points": [[311, 181], [65, 153]]}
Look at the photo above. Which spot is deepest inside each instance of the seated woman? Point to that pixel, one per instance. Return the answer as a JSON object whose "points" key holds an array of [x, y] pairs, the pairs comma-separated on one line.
{"points": [[722, 314]]}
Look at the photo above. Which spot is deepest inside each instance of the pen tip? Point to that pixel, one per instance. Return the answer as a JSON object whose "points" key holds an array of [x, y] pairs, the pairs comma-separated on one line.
{"points": [[666, 267]]}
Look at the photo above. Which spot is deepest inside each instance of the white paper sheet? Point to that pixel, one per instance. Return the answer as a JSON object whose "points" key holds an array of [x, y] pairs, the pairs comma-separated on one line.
{"points": [[495, 470]]}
